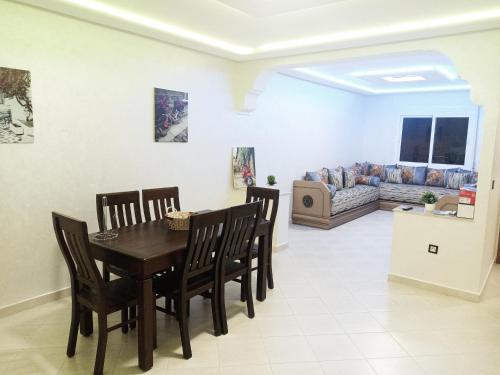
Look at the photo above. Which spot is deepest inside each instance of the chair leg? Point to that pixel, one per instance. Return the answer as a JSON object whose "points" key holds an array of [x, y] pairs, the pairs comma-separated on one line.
{"points": [[101, 344], [183, 326], [86, 322], [73, 329], [215, 313], [155, 336], [248, 288], [124, 320], [222, 309], [133, 315], [105, 272], [270, 280]]}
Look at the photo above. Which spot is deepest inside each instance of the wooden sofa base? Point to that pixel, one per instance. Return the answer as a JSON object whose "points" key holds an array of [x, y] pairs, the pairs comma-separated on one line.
{"points": [[336, 220], [345, 217]]}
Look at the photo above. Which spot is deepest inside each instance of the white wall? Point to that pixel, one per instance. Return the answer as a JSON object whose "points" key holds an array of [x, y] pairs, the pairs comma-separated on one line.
{"points": [[382, 120], [93, 115]]}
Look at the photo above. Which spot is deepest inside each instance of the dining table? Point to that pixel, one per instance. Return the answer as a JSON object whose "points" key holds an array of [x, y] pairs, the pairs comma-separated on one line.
{"points": [[144, 250]]}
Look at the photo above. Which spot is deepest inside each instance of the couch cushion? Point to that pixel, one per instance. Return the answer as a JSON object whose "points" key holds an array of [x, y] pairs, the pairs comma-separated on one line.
{"points": [[336, 177], [354, 197], [410, 193], [413, 175]]}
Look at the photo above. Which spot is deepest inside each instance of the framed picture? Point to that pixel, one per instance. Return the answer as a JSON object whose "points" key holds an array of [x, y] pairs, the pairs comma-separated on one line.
{"points": [[16, 110], [243, 167], [171, 116]]}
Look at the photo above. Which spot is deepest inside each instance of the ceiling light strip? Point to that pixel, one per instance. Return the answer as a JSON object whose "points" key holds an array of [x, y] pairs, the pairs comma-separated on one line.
{"points": [[160, 26], [408, 69], [431, 23]]}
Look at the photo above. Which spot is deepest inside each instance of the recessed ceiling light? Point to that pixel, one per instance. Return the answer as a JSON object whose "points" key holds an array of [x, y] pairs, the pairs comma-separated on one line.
{"points": [[403, 79], [369, 90]]}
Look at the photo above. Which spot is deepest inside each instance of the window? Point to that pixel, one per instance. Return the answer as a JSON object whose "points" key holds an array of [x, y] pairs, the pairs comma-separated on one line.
{"points": [[435, 140], [450, 140], [415, 139]]}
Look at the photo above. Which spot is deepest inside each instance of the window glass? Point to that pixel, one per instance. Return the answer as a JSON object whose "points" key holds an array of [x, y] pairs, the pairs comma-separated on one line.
{"points": [[415, 139], [450, 140]]}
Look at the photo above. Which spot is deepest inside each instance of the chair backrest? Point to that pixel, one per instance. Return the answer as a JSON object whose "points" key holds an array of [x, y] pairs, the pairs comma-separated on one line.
{"points": [[163, 200], [243, 221], [206, 237], [72, 237], [269, 197], [124, 209]]}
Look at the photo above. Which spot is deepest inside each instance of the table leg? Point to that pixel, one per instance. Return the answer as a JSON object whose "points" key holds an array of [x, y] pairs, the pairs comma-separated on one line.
{"points": [[262, 269], [86, 322], [145, 323]]}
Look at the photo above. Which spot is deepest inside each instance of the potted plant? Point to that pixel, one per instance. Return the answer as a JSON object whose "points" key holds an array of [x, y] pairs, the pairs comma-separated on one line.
{"points": [[271, 180], [429, 199]]}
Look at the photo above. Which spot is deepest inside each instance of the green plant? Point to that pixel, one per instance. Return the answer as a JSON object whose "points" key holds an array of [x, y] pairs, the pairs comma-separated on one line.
{"points": [[428, 197], [271, 180]]}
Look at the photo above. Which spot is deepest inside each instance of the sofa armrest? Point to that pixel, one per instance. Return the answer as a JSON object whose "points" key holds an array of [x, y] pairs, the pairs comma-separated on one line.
{"points": [[311, 198]]}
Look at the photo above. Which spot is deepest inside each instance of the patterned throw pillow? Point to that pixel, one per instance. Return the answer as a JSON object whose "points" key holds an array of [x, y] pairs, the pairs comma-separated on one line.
{"points": [[456, 180], [413, 175], [377, 170], [360, 168], [435, 177], [320, 175], [368, 180], [350, 178], [394, 175], [336, 177], [473, 177]]}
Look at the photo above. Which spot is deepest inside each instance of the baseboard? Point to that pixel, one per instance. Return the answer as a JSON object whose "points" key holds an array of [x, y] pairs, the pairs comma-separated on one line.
{"points": [[487, 277], [33, 302], [464, 294]]}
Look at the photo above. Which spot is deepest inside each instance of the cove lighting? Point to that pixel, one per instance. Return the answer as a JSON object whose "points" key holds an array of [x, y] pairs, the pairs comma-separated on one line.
{"points": [[425, 24], [403, 79], [160, 26], [408, 69], [369, 90]]}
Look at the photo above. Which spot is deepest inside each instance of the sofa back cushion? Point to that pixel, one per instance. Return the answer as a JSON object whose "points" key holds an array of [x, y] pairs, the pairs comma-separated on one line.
{"points": [[456, 180], [413, 175], [435, 177], [394, 175], [350, 178], [336, 177], [368, 180], [319, 175]]}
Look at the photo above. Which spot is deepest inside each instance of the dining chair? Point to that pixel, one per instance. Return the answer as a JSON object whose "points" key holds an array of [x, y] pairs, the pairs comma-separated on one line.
{"points": [[162, 200], [124, 209], [236, 261], [197, 273], [89, 291], [265, 228]]}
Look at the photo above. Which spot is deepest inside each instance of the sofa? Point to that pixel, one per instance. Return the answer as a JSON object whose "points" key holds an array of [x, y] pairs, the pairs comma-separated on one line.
{"points": [[318, 203]]}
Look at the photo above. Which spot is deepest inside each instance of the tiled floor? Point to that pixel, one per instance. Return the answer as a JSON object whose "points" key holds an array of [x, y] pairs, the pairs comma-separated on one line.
{"points": [[332, 312]]}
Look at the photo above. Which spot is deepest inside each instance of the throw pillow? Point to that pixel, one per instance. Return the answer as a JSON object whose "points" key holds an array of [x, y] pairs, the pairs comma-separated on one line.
{"points": [[350, 178], [368, 180], [394, 175], [377, 170], [320, 175], [360, 169], [456, 180], [336, 177], [413, 175], [435, 177]]}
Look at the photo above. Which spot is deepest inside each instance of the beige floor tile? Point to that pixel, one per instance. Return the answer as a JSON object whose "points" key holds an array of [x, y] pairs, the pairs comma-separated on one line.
{"points": [[309, 368], [358, 323], [288, 349], [246, 370], [236, 351], [319, 325], [278, 326], [396, 366], [378, 345], [307, 306], [333, 347], [348, 367]]}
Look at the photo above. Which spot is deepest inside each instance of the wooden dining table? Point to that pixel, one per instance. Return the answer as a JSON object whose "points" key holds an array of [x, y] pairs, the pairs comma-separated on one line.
{"points": [[144, 250]]}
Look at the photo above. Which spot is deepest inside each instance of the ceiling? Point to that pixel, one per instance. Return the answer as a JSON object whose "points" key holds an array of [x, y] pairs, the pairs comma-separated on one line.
{"points": [[267, 8], [244, 30], [390, 74]]}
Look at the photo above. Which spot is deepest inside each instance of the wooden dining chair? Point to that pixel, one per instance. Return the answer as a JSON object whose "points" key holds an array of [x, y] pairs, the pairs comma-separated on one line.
{"points": [[162, 200], [124, 209], [89, 291], [265, 228], [236, 260], [197, 274]]}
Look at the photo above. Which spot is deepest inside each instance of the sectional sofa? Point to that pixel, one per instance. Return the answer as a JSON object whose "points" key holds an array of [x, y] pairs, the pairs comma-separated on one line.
{"points": [[322, 201]]}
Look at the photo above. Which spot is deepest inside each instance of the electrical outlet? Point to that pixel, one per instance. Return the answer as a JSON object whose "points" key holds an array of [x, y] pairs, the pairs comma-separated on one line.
{"points": [[433, 249]]}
